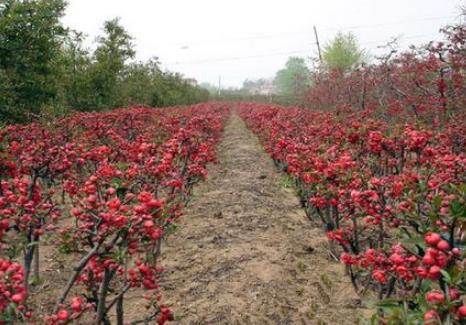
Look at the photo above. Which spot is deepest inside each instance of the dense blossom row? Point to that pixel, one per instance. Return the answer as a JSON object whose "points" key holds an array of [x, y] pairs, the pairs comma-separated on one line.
{"points": [[104, 189], [391, 195], [427, 82]]}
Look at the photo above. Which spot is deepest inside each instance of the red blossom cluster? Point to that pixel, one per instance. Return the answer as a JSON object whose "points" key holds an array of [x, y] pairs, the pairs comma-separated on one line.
{"points": [[12, 291], [105, 188], [391, 194]]}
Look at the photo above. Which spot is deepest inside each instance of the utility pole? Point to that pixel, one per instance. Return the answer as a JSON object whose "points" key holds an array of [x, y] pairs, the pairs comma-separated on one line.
{"points": [[318, 44], [219, 84]]}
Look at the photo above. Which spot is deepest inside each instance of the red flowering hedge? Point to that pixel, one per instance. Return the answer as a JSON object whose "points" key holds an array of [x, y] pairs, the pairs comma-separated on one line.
{"points": [[107, 188], [391, 195], [425, 82]]}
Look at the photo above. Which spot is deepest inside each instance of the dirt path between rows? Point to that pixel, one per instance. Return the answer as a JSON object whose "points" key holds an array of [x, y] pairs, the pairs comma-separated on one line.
{"points": [[245, 253]]}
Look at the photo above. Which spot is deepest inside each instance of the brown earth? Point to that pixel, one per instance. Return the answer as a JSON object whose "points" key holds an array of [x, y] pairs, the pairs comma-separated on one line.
{"points": [[245, 253]]}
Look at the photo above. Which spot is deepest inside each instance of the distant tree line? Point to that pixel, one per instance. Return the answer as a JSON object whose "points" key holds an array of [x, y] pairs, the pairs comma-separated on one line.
{"points": [[45, 68], [291, 84]]}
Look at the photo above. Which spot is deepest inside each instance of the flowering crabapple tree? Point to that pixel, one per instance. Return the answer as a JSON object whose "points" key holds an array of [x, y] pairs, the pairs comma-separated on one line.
{"points": [[107, 188], [390, 195]]}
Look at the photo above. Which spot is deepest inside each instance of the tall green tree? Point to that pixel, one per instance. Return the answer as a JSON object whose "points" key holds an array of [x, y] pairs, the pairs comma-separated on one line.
{"points": [[45, 68], [294, 78], [139, 82], [113, 51], [172, 89], [30, 44], [76, 79], [342, 53]]}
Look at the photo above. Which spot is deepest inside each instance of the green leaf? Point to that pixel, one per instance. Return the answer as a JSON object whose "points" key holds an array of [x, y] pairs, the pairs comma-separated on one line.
{"points": [[458, 209], [121, 192], [437, 202], [33, 243], [446, 275], [116, 182], [388, 303]]}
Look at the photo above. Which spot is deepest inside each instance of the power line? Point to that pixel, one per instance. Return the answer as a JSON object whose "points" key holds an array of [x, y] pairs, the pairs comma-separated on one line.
{"points": [[213, 60], [401, 38], [271, 54], [388, 24], [287, 34]]}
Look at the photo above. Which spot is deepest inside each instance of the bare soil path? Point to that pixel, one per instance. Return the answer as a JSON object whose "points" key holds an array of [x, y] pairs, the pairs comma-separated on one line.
{"points": [[246, 254]]}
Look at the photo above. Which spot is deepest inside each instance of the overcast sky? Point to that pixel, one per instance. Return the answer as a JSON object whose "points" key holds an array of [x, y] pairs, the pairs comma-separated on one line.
{"points": [[239, 39]]}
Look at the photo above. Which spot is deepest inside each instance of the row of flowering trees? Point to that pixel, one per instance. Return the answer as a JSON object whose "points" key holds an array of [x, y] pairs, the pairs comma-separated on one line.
{"points": [[380, 161], [391, 195], [104, 188], [426, 82]]}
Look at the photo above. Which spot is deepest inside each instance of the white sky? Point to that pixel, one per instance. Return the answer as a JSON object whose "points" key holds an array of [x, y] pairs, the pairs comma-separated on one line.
{"points": [[241, 39]]}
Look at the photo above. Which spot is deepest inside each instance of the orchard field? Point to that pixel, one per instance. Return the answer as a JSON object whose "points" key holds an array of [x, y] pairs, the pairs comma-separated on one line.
{"points": [[349, 210]]}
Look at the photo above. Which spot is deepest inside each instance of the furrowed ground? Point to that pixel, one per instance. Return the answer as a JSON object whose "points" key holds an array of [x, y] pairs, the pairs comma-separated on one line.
{"points": [[245, 253]]}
